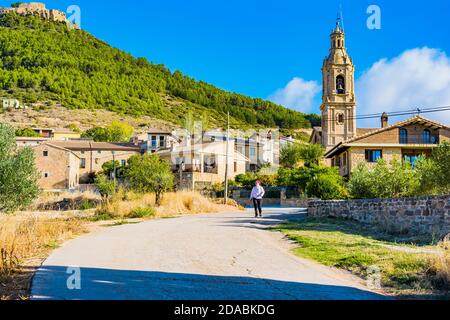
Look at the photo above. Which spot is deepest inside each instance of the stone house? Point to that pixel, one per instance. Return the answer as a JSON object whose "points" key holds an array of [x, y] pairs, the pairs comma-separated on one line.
{"points": [[58, 167], [57, 134], [201, 165], [92, 155], [30, 141], [260, 148], [157, 139], [406, 140]]}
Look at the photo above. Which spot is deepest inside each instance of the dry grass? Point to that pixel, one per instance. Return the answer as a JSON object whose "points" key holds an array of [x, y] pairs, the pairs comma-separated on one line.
{"points": [[23, 238], [64, 201], [440, 267], [124, 204]]}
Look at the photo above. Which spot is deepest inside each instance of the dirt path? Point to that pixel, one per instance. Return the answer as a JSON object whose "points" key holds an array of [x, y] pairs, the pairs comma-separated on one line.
{"points": [[221, 256]]}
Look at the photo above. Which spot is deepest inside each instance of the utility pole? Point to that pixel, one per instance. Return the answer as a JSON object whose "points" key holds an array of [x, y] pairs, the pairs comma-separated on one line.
{"points": [[114, 165], [227, 156]]}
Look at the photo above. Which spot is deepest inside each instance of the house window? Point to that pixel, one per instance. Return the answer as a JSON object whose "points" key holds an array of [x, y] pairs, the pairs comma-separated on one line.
{"points": [[340, 119], [344, 157], [252, 152], [123, 163], [83, 163], [403, 136], [154, 142], [427, 136], [374, 155], [45, 153], [162, 141], [412, 159], [235, 167], [97, 160]]}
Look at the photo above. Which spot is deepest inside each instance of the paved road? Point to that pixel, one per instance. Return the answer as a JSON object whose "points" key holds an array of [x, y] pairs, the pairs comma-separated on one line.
{"points": [[222, 256]]}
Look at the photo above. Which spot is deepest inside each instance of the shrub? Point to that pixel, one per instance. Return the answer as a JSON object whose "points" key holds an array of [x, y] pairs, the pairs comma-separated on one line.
{"points": [[293, 154], [143, 212], [290, 156], [74, 128], [18, 173], [87, 204], [106, 187], [27, 132], [434, 173], [324, 183], [386, 180]]}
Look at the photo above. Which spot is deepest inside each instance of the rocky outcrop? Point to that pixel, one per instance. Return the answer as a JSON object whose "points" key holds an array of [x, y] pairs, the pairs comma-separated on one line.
{"points": [[39, 9]]}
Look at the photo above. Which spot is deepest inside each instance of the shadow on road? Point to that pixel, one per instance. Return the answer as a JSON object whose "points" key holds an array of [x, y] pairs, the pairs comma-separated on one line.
{"points": [[50, 283], [272, 217]]}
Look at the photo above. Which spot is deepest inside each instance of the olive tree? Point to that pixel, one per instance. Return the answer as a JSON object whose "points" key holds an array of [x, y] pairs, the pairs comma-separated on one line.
{"points": [[148, 173], [18, 173]]}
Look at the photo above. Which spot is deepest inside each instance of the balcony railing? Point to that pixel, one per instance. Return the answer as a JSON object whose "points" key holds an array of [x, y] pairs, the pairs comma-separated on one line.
{"points": [[419, 140]]}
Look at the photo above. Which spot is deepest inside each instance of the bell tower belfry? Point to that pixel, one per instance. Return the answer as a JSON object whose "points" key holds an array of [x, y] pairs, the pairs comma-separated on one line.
{"points": [[338, 99]]}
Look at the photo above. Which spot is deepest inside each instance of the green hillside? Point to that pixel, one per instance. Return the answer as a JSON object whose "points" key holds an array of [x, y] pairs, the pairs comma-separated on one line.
{"points": [[44, 61]]}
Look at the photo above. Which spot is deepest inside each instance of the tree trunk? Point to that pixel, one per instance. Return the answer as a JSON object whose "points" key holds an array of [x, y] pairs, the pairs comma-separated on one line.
{"points": [[158, 196]]}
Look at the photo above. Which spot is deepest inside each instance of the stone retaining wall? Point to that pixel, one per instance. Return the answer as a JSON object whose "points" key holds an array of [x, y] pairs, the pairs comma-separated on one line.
{"points": [[422, 215]]}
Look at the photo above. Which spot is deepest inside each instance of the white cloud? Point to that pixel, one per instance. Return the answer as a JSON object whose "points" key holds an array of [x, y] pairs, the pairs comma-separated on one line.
{"points": [[418, 78], [298, 94]]}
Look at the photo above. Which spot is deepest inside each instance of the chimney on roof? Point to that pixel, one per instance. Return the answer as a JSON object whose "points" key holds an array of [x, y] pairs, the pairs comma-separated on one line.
{"points": [[384, 120]]}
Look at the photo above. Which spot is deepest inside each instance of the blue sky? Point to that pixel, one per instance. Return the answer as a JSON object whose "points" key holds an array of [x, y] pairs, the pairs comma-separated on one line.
{"points": [[258, 47]]}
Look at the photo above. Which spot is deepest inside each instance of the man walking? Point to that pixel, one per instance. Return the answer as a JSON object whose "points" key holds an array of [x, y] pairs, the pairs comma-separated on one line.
{"points": [[257, 196]]}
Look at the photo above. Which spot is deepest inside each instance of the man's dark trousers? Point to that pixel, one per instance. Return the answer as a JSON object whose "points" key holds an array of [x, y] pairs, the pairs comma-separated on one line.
{"points": [[258, 208]]}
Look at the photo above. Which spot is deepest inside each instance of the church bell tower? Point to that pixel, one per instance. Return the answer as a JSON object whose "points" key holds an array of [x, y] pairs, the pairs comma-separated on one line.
{"points": [[338, 100]]}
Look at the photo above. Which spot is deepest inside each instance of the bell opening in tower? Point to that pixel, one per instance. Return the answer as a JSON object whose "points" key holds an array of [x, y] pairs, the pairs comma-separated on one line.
{"points": [[340, 84]]}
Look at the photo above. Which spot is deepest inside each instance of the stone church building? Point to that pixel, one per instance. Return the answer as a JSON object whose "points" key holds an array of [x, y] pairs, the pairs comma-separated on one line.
{"points": [[347, 145]]}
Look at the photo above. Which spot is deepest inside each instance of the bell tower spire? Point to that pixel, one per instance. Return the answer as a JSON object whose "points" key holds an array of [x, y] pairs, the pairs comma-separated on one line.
{"points": [[338, 99]]}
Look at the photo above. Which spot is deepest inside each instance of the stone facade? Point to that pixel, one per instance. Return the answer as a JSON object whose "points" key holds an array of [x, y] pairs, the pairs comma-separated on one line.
{"points": [[419, 137], [58, 167], [92, 155], [422, 215], [338, 99]]}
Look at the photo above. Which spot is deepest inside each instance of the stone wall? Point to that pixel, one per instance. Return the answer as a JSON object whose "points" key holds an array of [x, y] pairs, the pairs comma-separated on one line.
{"points": [[274, 197], [422, 215]]}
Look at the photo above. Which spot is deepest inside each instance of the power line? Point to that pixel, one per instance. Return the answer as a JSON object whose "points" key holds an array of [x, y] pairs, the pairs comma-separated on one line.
{"points": [[417, 111]]}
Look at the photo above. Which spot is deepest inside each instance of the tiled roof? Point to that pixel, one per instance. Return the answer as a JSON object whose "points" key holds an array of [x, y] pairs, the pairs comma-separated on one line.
{"points": [[363, 131], [157, 131], [416, 119], [90, 145]]}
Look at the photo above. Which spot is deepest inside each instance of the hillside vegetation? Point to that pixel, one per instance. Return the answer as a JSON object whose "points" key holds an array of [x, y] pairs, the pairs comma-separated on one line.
{"points": [[45, 62]]}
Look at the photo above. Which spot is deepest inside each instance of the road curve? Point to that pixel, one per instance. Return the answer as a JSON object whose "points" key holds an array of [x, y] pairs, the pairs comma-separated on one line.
{"points": [[225, 256]]}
